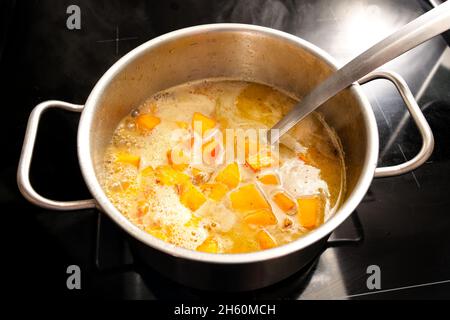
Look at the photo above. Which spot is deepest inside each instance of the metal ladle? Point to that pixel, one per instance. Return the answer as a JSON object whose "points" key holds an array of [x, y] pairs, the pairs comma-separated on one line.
{"points": [[409, 36]]}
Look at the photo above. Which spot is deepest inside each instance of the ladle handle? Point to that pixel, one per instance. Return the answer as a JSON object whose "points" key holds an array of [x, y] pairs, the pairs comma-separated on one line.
{"points": [[409, 36], [23, 172]]}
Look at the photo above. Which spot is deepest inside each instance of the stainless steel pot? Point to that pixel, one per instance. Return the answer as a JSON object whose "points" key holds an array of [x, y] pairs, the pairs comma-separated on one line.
{"points": [[237, 51]]}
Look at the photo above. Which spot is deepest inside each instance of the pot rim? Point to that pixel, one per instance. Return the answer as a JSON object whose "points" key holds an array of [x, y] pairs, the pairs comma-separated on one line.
{"points": [[87, 168]]}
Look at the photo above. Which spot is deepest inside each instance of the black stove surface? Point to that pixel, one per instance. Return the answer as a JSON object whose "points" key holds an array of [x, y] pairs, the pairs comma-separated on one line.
{"points": [[402, 226]]}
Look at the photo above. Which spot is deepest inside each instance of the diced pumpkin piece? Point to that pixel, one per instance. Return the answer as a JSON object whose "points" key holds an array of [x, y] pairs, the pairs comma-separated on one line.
{"points": [[147, 121], [157, 233], [194, 221], [147, 172], [191, 197], [251, 147], [265, 240], [247, 199], [215, 191], [125, 185], [142, 208], [182, 125], [128, 158], [230, 175], [182, 178], [178, 159], [196, 172], [209, 246], [243, 148], [262, 159], [201, 123], [122, 186], [146, 179], [168, 176], [269, 179], [310, 211], [283, 201], [263, 217]]}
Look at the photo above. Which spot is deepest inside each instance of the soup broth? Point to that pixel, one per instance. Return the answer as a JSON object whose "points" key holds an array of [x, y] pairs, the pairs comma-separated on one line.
{"points": [[189, 167]]}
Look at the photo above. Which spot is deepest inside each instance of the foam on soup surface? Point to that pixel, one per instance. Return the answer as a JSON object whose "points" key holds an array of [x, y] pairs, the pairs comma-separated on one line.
{"points": [[190, 167]]}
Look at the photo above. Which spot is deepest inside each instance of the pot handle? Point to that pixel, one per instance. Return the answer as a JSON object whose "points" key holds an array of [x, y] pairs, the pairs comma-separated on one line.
{"points": [[23, 179], [419, 119]]}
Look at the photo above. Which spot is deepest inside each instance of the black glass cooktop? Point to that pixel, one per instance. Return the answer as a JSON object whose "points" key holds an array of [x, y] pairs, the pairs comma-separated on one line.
{"points": [[402, 226]]}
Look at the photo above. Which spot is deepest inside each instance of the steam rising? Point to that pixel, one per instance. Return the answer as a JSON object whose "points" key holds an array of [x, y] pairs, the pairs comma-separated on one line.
{"points": [[269, 13]]}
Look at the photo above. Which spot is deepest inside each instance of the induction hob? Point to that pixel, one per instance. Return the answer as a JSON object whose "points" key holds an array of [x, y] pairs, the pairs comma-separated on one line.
{"points": [[402, 226]]}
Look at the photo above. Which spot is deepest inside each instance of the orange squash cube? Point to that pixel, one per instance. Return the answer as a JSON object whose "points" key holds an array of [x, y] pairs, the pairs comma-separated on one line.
{"points": [[147, 172], [201, 123], [252, 147], [147, 121], [243, 148], [196, 172], [191, 197], [310, 211], [194, 221], [215, 191], [146, 178], [178, 159], [263, 217], [128, 158], [182, 125], [260, 160], [269, 179], [142, 208], [124, 185], [209, 246], [168, 176], [247, 199], [284, 202], [265, 240], [230, 175], [157, 233]]}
